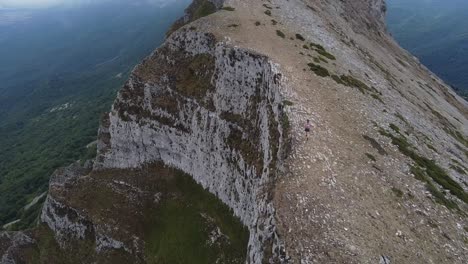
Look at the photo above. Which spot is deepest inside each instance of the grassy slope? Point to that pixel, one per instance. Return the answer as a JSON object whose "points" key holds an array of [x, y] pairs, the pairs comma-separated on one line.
{"points": [[176, 229], [181, 227]]}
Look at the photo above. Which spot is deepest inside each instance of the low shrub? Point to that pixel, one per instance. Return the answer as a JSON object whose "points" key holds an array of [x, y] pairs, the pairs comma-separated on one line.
{"points": [[319, 70], [280, 34]]}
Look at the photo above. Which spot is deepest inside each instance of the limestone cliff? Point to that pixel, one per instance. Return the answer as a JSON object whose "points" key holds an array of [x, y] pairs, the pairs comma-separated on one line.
{"points": [[382, 178]]}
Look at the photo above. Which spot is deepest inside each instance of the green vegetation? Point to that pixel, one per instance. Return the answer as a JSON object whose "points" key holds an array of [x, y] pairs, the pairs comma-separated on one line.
{"points": [[181, 230], [439, 197], [322, 59], [432, 148], [274, 22], [196, 10], [350, 81], [228, 8], [194, 79], [375, 145], [337, 79], [399, 116], [247, 146], [305, 46], [288, 103], [317, 46], [458, 169], [205, 8], [316, 60], [280, 34], [395, 128], [300, 37], [449, 127], [353, 82], [267, 12], [377, 97], [51, 101], [184, 224], [325, 54], [257, 23], [397, 192], [321, 50], [457, 135], [319, 70], [371, 157], [428, 169]]}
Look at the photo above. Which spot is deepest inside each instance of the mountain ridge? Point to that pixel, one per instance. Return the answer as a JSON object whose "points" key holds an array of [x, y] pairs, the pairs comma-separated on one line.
{"points": [[383, 165]]}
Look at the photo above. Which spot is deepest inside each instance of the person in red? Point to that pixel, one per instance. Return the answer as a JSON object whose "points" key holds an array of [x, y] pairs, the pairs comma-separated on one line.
{"points": [[307, 129]]}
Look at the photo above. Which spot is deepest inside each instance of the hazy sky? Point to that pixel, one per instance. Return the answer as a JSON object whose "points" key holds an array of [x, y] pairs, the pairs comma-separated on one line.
{"points": [[49, 3]]}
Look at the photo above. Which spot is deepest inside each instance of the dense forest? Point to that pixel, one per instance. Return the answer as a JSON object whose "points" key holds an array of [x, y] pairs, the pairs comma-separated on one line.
{"points": [[60, 70]]}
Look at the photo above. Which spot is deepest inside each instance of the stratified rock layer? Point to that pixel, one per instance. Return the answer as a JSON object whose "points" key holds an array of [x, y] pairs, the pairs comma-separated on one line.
{"points": [[213, 111]]}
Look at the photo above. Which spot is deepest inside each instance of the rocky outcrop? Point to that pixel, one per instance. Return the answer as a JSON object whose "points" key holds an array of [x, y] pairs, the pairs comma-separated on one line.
{"points": [[13, 245], [220, 119]]}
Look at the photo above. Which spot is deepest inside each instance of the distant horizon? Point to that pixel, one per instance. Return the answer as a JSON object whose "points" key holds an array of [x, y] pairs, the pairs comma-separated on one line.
{"points": [[38, 4]]}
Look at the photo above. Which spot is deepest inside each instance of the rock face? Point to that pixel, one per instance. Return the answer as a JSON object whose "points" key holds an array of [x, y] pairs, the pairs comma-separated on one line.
{"points": [[219, 118], [382, 178]]}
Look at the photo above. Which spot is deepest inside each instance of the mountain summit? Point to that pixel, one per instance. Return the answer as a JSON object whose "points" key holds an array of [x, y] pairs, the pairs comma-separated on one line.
{"points": [[222, 104]]}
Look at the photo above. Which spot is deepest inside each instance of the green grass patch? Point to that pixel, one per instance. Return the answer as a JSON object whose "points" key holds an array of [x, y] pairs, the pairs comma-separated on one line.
{"points": [[316, 60], [182, 226], [204, 9], [439, 197], [395, 128], [305, 46], [375, 145], [196, 10], [371, 157], [280, 34], [458, 169], [319, 70], [431, 147], [317, 46], [322, 59], [337, 79], [399, 116], [458, 136], [228, 8], [300, 37], [430, 168], [377, 97], [397, 192], [326, 54], [353, 82]]}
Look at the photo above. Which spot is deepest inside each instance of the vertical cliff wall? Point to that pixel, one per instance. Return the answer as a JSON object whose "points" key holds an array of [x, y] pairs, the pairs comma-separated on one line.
{"points": [[213, 111]]}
